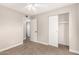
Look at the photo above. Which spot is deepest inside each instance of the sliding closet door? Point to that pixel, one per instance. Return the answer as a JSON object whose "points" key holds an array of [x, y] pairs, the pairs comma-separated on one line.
{"points": [[53, 31]]}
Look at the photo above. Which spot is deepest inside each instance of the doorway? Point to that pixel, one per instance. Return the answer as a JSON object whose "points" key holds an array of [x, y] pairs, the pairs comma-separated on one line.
{"points": [[28, 30], [59, 30]]}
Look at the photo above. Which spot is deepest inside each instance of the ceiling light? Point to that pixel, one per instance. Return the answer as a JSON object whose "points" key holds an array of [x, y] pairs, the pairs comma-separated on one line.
{"points": [[31, 7]]}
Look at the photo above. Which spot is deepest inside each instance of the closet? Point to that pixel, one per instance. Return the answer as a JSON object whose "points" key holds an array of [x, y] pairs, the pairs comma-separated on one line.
{"points": [[59, 30], [63, 25]]}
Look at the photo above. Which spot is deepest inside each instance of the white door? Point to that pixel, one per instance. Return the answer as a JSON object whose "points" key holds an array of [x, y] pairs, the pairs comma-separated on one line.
{"points": [[34, 30], [53, 31]]}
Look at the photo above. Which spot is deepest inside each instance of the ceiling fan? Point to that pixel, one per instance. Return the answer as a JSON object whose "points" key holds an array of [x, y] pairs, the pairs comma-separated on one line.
{"points": [[31, 6]]}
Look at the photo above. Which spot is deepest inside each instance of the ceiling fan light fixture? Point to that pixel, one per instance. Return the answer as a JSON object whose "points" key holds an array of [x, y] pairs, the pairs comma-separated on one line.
{"points": [[31, 7]]}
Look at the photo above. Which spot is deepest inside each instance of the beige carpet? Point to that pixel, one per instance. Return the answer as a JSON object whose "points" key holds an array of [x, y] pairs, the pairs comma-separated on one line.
{"points": [[32, 48]]}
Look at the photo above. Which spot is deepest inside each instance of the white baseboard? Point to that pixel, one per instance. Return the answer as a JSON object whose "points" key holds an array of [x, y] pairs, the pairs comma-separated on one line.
{"points": [[63, 43], [74, 51], [11, 46], [40, 42]]}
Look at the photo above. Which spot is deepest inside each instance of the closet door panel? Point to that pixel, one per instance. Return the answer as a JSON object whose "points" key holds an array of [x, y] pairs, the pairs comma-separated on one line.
{"points": [[53, 31]]}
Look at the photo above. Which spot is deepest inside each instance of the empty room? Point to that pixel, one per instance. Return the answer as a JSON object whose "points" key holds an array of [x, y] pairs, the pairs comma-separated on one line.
{"points": [[39, 29]]}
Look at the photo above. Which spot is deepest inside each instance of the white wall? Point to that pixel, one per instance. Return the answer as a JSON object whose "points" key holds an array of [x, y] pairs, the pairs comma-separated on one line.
{"points": [[63, 29], [73, 25], [11, 28], [42, 21]]}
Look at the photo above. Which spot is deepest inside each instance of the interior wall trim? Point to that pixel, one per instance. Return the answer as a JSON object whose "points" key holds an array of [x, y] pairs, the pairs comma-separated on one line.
{"points": [[74, 51], [40, 42], [11, 46]]}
